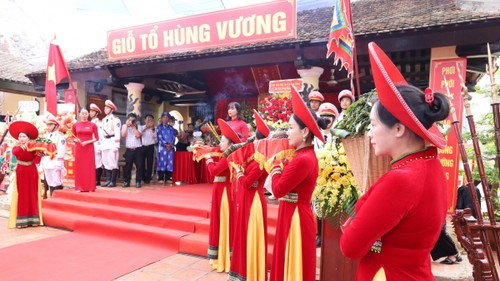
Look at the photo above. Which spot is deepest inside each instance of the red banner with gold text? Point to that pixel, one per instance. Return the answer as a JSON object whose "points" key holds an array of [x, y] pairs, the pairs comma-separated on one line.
{"points": [[448, 70], [244, 25]]}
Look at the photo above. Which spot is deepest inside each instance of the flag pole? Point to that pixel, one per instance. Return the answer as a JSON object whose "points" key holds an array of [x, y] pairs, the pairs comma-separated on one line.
{"points": [[341, 40], [70, 81], [354, 54]]}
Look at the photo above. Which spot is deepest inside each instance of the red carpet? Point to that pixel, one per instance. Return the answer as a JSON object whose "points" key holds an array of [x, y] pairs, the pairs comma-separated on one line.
{"points": [[76, 256], [114, 233]]}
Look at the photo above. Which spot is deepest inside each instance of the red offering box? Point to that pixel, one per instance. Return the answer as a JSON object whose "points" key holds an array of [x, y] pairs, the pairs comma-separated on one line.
{"points": [[269, 150]]}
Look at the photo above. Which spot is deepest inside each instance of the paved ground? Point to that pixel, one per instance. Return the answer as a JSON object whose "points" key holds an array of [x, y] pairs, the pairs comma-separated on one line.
{"points": [[180, 266]]}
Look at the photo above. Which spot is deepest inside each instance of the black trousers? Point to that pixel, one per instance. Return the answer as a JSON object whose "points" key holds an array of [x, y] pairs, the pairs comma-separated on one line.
{"points": [[444, 246], [149, 155], [133, 156]]}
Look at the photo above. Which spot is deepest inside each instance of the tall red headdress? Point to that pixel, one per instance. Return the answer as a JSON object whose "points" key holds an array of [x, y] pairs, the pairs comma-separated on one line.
{"points": [[300, 109], [228, 131], [261, 125], [386, 76]]}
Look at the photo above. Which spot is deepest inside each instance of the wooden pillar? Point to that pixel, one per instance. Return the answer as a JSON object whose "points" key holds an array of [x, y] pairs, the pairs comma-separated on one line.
{"points": [[134, 97], [311, 76]]}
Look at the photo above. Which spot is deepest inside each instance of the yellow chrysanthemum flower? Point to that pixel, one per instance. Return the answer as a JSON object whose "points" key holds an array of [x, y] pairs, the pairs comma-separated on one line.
{"points": [[335, 184]]}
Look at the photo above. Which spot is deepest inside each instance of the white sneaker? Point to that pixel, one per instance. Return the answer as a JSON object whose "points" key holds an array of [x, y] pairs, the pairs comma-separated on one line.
{"points": [[271, 197]]}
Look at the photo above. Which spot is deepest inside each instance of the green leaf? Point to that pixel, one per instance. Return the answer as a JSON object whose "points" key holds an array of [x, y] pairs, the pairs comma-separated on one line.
{"points": [[339, 133]]}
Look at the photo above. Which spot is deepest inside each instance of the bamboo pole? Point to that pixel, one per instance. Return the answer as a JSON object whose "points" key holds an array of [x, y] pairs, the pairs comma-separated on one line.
{"points": [[479, 160], [468, 173], [495, 104], [491, 71], [355, 55]]}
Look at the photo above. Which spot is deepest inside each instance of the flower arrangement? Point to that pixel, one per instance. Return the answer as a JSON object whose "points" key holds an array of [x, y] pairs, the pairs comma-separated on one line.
{"points": [[336, 190], [43, 140], [67, 119], [246, 112], [276, 110]]}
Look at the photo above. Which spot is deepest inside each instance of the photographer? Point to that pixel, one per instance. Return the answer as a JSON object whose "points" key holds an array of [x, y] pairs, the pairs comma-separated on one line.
{"points": [[54, 168], [133, 154], [149, 140], [185, 137]]}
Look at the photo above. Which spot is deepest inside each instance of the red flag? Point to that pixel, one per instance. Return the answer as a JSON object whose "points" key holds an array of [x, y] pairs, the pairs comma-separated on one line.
{"points": [[70, 96], [341, 38], [56, 72]]}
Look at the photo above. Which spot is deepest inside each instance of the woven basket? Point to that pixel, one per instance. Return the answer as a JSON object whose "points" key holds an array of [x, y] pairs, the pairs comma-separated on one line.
{"points": [[366, 167]]}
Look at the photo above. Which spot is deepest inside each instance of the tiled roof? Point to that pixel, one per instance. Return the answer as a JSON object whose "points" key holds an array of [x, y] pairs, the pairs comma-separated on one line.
{"points": [[382, 16], [14, 68], [369, 17]]}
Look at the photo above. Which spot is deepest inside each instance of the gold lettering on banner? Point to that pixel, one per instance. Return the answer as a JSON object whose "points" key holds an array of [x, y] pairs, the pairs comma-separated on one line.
{"points": [[124, 45], [446, 150], [264, 22], [279, 22], [251, 25], [149, 41], [186, 35], [446, 162], [451, 83], [448, 70]]}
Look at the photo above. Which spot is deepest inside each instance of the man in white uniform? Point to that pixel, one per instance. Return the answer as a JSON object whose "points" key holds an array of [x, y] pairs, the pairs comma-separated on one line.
{"points": [[315, 100], [346, 98], [110, 143], [53, 169], [94, 118], [327, 111]]}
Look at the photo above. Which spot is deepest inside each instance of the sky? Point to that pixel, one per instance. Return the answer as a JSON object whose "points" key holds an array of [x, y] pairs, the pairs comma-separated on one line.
{"points": [[28, 26]]}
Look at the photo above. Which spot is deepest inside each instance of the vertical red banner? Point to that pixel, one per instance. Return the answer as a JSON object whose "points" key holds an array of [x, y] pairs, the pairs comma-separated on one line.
{"points": [[446, 71], [70, 96]]}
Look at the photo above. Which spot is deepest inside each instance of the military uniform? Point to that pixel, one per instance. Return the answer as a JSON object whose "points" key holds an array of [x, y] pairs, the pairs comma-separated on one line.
{"points": [[53, 169], [110, 144]]}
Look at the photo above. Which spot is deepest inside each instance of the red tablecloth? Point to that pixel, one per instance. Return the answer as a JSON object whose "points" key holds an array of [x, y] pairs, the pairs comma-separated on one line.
{"points": [[184, 168], [202, 172]]}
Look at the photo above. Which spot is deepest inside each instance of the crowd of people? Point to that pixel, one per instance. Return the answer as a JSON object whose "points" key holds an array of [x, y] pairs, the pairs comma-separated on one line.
{"points": [[97, 144], [397, 221]]}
